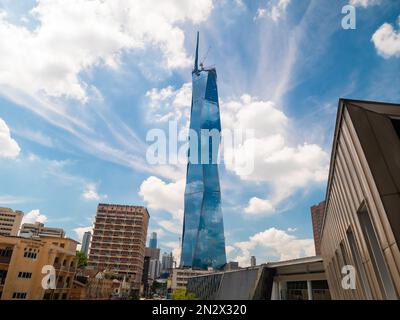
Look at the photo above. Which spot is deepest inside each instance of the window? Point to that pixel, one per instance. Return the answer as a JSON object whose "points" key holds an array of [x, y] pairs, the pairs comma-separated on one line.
{"points": [[358, 263], [30, 255], [25, 275], [375, 252], [6, 252], [396, 125], [3, 276], [19, 295]]}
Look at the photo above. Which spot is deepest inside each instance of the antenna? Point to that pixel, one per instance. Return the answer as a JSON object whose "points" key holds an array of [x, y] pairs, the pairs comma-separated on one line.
{"points": [[205, 57]]}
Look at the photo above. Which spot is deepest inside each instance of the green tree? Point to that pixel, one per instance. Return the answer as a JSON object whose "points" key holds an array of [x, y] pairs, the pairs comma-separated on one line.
{"points": [[181, 294], [82, 259]]}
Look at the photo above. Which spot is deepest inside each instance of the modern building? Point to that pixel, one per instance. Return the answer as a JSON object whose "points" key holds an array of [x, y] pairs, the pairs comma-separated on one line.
{"points": [[24, 262], [203, 241], [299, 279], [253, 261], [153, 253], [153, 240], [38, 229], [87, 236], [180, 276], [154, 269], [361, 226], [118, 242], [10, 221], [317, 216], [167, 262]]}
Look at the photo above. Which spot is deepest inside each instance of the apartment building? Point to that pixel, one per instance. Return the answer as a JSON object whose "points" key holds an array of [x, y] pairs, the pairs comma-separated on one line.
{"points": [[22, 261], [317, 216], [10, 221], [119, 240], [361, 227]]}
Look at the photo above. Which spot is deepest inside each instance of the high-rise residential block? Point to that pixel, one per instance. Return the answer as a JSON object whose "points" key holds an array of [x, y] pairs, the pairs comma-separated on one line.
{"points": [[87, 236], [118, 242], [10, 221], [203, 241], [38, 229], [167, 262], [317, 216]]}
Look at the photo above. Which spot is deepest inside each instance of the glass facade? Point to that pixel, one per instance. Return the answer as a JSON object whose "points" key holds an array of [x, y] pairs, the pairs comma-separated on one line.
{"points": [[203, 241]]}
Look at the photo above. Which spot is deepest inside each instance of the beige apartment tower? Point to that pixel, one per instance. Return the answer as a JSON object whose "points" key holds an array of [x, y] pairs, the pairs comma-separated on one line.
{"points": [[119, 240], [361, 227], [10, 221]]}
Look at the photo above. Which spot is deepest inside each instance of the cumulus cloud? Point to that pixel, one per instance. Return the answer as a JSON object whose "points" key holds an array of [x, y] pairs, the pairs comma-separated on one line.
{"points": [[90, 192], [176, 250], [273, 242], [387, 40], [160, 195], [286, 167], [34, 216], [76, 35], [9, 148]]}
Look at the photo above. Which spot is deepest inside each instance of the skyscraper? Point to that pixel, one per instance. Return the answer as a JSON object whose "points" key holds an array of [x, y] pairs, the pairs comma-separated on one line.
{"points": [[153, 240], [203, 241], [87, 236]]}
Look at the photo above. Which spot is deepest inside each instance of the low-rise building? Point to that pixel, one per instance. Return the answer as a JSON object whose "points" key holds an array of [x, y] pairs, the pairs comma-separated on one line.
{"points": [[38, 229], [180, 276], [299, 279], [25, 262], [89, 287]]}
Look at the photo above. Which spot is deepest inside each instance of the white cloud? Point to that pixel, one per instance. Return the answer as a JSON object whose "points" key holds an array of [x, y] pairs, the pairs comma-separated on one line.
{"points": [[261, 12], [387, 40], [278, 9], [8, 199], [9, 148], [73, 36], [364, 3], [36, 136], [286, 167], [80, 231], [259, 206], [90, 192], [173, 226], [291, 229], [34, 216], [168, 103], [165, 196], [273, 242]]}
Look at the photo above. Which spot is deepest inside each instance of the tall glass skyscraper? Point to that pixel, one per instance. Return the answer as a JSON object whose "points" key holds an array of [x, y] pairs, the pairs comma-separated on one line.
{"points": [[203, 241]]}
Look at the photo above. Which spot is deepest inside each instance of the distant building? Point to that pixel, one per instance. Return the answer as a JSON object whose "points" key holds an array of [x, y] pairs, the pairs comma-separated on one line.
{"points": [[87, 236], [180, 276], [253, 261], [232, 265], [298, 279], [361, 226], [153, 253], [118, 242], [10, 221], [21, 263], [154, 269], [98, 286], [153, 240], [317, 216], [38, 229], [167, 262]]}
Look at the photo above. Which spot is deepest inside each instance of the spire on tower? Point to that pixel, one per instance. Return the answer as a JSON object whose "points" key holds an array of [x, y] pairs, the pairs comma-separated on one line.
{"points": [[196, 58]]}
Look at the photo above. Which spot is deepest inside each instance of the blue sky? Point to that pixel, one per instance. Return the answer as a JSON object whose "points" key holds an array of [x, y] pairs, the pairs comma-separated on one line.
{"points": [[83, 82]]}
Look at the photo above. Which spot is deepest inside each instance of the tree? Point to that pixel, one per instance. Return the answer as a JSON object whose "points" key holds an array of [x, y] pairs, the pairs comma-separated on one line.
{"points": [[181, 294], [82, 259]]}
